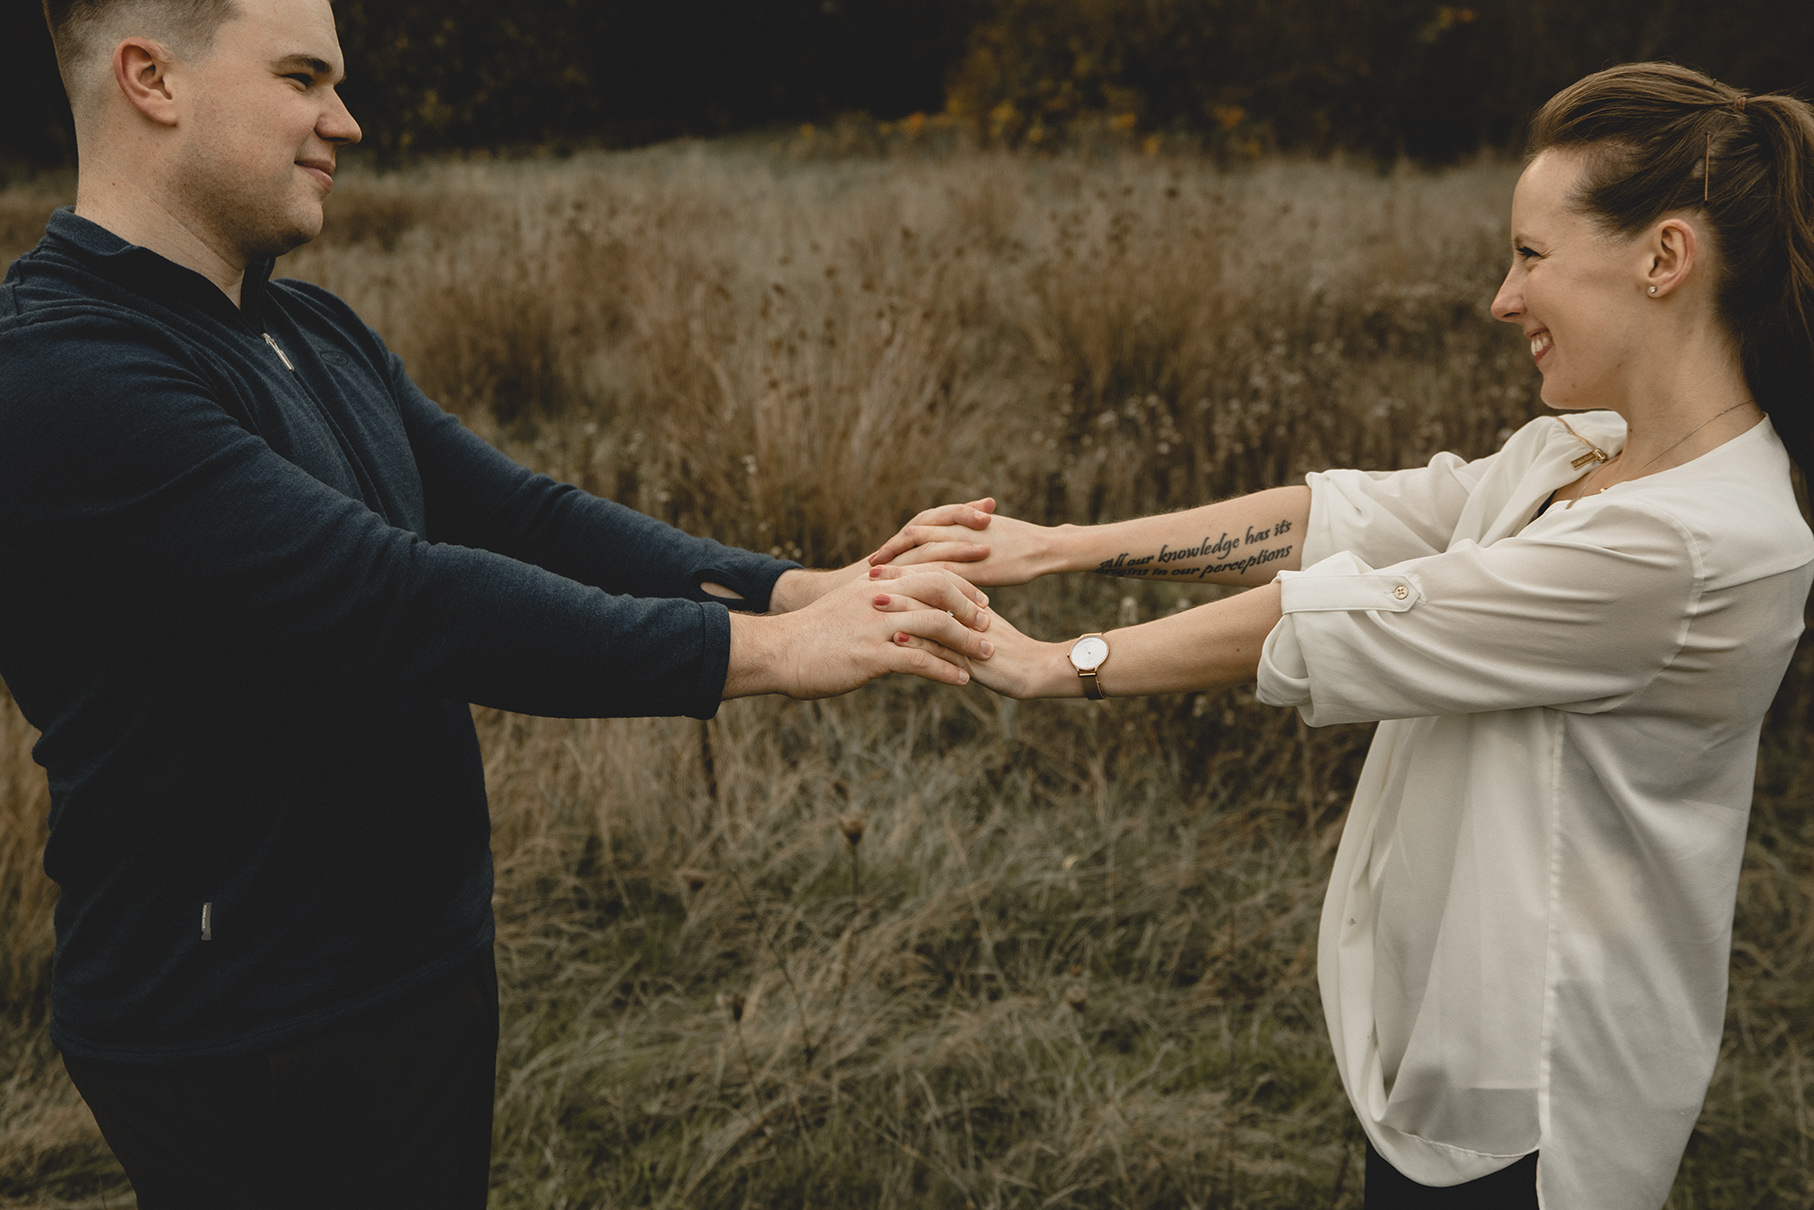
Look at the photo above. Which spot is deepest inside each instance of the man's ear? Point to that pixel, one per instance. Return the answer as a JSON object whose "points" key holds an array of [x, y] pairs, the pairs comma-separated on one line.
{"points": [[141, 69], [1672, 254]]}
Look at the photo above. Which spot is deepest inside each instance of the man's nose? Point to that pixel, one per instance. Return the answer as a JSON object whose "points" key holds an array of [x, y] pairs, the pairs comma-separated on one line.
{"points": [[338, 125]]}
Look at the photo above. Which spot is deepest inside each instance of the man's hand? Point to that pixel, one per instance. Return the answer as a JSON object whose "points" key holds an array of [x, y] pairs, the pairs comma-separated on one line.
{"points": [[1021, 667], [923, 621], [972, 541]]}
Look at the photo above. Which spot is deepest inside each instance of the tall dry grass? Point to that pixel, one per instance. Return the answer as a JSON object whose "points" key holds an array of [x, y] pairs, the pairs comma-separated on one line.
{"points": [[1069, 958]]}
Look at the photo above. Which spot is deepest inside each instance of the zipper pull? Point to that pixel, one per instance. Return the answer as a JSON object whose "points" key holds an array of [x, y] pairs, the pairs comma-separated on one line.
{"points": [[272, 341]]}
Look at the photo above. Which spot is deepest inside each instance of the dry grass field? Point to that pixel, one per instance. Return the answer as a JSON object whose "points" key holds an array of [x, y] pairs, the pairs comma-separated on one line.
{"points": [[917, 946]]}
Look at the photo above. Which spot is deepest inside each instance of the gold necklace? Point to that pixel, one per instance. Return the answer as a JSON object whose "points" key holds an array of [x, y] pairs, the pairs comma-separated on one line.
{"points": [[1601, 458]]}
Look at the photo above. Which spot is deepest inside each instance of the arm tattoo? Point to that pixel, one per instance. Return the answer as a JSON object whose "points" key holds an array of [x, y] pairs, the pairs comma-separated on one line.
{"points": [[1225, 554]]}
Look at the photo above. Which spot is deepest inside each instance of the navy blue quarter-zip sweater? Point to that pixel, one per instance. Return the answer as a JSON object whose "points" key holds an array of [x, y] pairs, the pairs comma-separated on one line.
{"points": [[252, 578]]}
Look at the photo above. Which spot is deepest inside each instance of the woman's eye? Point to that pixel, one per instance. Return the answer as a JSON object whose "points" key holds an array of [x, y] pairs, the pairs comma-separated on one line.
{"points": [[1525, 253]]}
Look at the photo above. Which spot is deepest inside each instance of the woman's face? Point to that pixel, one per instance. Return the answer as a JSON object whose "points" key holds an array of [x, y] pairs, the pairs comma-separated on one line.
{"points": [[1574, 290]]}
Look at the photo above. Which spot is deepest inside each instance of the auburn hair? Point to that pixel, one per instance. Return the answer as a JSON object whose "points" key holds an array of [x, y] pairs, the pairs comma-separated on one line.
{"points": [[1658, 139]]}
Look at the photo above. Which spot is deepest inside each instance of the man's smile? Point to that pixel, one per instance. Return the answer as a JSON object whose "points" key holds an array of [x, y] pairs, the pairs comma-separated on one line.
{"points": [[321, 170]]}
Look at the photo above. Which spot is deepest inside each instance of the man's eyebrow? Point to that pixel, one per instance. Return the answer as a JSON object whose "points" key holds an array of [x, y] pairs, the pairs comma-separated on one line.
{"points": [[309, 63]]}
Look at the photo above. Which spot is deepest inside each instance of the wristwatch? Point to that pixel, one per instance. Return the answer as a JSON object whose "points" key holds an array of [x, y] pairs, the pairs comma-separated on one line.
{"points": [[1087, 655]]}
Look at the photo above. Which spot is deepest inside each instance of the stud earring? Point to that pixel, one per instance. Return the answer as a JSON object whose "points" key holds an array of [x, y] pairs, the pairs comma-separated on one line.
{"points": [[1653, 289]]}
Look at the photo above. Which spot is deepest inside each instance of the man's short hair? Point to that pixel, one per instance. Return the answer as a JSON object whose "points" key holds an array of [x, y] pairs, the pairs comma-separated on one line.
{"points": [[79, 27]]}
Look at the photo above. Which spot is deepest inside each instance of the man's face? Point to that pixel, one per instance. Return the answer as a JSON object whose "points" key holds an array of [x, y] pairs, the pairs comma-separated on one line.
{"points": [[260, 127]]}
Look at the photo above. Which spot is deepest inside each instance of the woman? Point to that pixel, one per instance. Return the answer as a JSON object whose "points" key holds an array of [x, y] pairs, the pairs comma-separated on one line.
{"points": [[1570, 644]]}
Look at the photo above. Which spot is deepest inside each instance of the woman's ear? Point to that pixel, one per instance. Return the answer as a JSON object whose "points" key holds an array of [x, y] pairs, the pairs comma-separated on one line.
{"points": [[1670, 256]]}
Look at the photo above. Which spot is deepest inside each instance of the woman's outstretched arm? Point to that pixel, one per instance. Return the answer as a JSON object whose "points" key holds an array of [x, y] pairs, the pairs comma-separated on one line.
{"points": [[1244, 541], [1203, 648]]}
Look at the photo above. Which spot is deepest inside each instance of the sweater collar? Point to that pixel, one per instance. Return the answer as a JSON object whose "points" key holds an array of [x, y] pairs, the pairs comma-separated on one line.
{"points": [[144, 271]]}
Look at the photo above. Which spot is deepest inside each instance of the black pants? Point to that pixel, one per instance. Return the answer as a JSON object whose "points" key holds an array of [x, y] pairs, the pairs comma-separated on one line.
{"points": [[1513, 1188], [392, 1110]]}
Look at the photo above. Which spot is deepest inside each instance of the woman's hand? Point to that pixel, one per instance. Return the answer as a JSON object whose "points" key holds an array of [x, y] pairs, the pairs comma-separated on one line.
{"points": [[972, 541], [1018, 666]]}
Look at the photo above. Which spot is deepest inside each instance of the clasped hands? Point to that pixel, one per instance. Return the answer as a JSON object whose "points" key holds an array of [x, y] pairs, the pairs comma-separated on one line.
{"points": [[980, 548], [915, 606]]}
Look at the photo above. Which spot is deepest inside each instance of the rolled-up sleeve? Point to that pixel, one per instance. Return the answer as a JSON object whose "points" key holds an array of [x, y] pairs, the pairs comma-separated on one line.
{"points": [[1387, 517], [1579, 613]]}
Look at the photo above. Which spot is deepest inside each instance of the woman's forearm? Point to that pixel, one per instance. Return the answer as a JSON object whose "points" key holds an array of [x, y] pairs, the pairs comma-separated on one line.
{"points": [[1203, 648], [1244, 541]]}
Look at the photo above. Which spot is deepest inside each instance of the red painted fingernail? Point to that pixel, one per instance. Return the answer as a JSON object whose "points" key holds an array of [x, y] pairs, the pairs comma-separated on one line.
{"points": [[875, 573], [900, 636], [881, 598]]}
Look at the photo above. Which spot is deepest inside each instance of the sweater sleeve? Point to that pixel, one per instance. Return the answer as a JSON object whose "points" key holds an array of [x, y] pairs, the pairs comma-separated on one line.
{"points": [[1579, 613], [477, 496], [186, 535]]}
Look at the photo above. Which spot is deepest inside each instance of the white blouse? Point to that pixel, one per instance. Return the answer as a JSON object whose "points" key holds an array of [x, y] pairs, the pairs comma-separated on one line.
{"points": [[1525, 942]]}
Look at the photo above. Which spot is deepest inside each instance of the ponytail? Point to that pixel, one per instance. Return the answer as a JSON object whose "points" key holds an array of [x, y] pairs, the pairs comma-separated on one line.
{"points": [[1659, 138], [1779, 361]]}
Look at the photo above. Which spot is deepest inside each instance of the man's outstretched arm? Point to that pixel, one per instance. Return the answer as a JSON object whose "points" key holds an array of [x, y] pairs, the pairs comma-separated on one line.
{"points": [[479, 497], [184, 538]]}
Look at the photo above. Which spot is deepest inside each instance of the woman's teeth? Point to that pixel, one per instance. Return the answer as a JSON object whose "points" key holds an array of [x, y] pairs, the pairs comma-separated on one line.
{"points": [[1538, 344]]}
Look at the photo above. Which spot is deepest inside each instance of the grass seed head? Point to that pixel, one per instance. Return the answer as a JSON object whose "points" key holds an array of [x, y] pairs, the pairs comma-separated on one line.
{"points": [[851, 824], [1077, 998]]}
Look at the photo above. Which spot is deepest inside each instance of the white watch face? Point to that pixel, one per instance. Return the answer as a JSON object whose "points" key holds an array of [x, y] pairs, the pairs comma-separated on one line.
{"points": [[1088, 653]]}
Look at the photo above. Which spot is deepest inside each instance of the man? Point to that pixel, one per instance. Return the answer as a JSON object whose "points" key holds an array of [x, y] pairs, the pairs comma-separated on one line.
{"points": [[255, 579]]}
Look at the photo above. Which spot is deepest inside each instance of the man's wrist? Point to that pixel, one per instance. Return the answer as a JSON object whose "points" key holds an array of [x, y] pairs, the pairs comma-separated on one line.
{"points": [[798, 587], [758, 663]]}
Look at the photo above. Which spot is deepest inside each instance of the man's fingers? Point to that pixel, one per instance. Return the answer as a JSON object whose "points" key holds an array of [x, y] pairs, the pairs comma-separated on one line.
{"points": [[942, 552], [951, 577], [915, 533], [943, 629], [895, 571], [972, 617], [923, 657], [975, 514], [894, 547]]}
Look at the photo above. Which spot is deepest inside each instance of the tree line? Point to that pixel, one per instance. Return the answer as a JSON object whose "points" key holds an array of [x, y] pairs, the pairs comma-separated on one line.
{"points": [[1386, 78]]}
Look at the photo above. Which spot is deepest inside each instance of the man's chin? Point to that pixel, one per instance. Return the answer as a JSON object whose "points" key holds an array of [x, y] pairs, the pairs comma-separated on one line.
{"points": [[278, 243]]}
